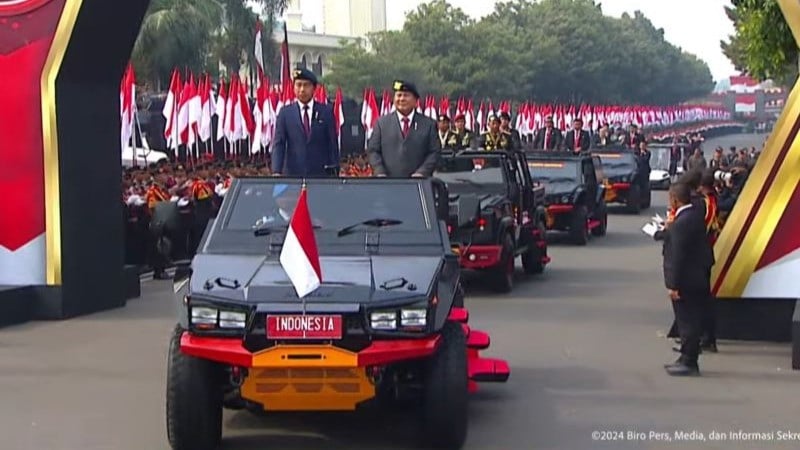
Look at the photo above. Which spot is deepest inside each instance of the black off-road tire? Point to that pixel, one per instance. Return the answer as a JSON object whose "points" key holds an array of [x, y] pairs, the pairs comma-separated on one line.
{"points": [[579, 228], [532, 259], [602, 216], [194, 400], [503, 274], [445, 394]]}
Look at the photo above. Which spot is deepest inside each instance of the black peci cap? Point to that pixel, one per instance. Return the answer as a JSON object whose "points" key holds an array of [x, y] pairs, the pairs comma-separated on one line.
{"points": [[304, 74], [402, 86]]}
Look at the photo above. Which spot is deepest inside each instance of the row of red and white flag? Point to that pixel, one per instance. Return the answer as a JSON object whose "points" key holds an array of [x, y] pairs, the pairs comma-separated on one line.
{"points": [[531, 116], [191, 103]]}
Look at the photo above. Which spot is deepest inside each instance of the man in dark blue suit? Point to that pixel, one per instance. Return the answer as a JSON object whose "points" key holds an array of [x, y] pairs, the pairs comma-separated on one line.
{"points": [[305, 142]]}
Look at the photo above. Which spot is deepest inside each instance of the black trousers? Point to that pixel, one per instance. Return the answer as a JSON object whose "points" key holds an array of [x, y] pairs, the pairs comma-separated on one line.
{"points": [[689, 317], [708, 324]]}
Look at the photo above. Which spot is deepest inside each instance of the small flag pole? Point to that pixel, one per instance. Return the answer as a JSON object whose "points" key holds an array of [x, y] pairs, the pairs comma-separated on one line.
{"points": [[303, 192]]}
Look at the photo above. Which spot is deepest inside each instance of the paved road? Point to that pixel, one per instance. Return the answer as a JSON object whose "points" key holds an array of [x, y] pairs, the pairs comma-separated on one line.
{"points": [[585, 342]]}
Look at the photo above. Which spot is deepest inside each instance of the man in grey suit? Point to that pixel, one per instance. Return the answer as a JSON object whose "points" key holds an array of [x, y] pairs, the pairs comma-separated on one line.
{"points": [[404, 143]]}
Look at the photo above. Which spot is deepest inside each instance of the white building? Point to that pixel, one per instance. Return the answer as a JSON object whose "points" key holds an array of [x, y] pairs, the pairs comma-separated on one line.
{"points": [[343, 20], [355, 18]]}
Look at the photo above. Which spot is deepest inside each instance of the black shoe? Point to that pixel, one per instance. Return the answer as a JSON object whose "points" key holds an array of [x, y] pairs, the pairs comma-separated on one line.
{"points": [[709, 347], [679, 369]]}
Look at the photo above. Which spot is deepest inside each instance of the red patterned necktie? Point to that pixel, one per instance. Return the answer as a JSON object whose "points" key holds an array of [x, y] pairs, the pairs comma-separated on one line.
{"points": [[577, 140], [405, 127], [547, 139]]}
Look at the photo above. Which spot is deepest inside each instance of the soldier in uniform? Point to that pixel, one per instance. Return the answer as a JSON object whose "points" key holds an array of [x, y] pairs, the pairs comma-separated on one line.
{"points": [[446, 138], [464, 136], [494, 138], [202, 200]]}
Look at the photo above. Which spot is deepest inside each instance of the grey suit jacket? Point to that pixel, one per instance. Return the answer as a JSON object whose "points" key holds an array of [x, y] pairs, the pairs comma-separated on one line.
{"points": [[391, 155]]}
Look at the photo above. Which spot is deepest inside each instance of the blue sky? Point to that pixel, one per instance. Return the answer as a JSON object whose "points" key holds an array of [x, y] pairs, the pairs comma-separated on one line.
{"points": [[697, 26]]}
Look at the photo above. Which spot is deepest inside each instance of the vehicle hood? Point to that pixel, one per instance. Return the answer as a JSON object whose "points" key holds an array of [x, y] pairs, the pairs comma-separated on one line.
{"points": [[351, 279], [658, 175]]}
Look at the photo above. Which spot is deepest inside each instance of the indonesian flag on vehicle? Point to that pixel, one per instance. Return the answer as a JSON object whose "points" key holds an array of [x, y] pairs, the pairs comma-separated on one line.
{"points": [[299, 256]]}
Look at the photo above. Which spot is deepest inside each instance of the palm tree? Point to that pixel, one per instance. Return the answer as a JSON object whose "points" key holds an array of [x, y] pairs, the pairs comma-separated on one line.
{"points": [[175, 33], [198, 34]]}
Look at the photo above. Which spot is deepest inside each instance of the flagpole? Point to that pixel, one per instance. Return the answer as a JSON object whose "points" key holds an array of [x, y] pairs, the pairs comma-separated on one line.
{"points": [[141, 136], [303, 190]]}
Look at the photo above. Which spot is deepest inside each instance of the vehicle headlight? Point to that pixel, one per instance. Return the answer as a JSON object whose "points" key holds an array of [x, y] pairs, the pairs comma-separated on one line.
{"points": [[565, 199], [204, 316], [207, 317], [386, 320], [413, 317], [231, 319]]}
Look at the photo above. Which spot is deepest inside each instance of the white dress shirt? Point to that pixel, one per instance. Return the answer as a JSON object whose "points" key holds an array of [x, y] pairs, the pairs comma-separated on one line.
{"points": [[310, 110]]}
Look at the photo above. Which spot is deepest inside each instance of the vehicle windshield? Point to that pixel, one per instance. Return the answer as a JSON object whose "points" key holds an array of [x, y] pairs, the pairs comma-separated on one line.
{"points": [[333, 204], [659, 158], [471, 171], [617, 164], [547, 172]]}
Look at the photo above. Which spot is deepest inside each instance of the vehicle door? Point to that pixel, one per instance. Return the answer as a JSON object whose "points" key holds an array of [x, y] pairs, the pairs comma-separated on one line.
{"points": [[529, 199], [516, 193], [602, 183], [591, 183]]}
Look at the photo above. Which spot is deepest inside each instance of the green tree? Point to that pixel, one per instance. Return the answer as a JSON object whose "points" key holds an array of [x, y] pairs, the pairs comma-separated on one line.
{"points": [[552, 50], [762, 45], [198, 34], [394, 57], [175, 33]]}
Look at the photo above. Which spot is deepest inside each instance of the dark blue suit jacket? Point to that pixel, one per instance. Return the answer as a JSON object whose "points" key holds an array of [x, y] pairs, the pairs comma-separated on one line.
{"points": [[296, 155]]}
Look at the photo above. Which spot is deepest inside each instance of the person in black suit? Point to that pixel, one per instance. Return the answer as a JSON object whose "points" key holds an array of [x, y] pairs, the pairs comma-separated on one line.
{"points": [[634, 137], [548, 138], [305, 133], [688, 258], [577, 140]]}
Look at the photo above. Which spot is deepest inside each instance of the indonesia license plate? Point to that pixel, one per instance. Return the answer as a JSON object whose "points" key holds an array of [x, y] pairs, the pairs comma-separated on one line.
{"points": [[309, 326]]}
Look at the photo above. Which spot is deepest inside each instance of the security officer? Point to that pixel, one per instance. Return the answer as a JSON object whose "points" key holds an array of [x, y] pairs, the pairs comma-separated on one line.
{"points": [[447, 138], [464, 136], [495, 138]]}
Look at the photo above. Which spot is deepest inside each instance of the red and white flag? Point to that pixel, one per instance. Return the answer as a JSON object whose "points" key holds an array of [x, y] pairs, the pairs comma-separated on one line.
{"points": [[127, 97], [299, 256]]}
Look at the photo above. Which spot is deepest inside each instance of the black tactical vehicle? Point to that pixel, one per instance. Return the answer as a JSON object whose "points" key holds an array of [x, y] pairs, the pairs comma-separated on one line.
{"points": [[496, 213], [575, 198], [387, 320], [626, 180]]}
